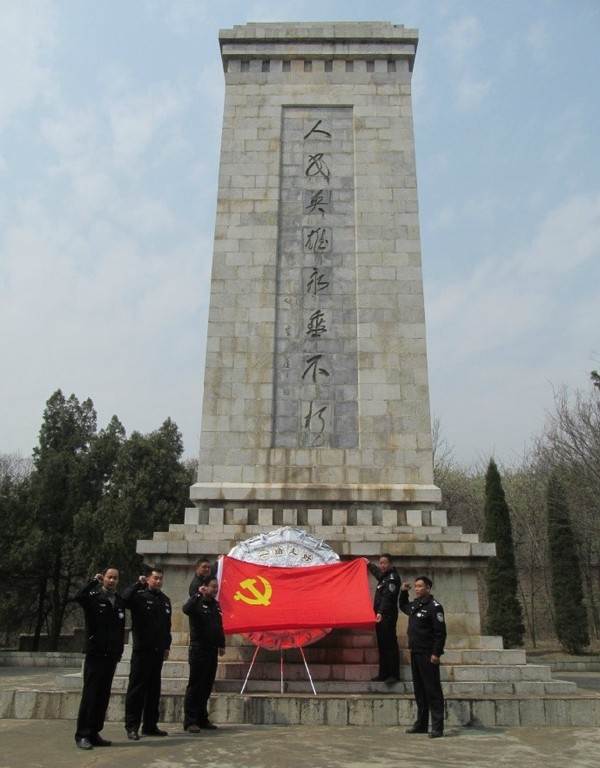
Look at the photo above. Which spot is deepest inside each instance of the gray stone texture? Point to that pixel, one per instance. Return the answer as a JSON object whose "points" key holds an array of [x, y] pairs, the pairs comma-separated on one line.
{"points": [[369, 419]]}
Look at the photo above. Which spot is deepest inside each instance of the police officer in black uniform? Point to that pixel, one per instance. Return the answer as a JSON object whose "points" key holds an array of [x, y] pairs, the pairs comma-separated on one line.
{"points": [[426, 638], [104, 612], [202, 569], [385, 606], [151, 625], [207, 643]]}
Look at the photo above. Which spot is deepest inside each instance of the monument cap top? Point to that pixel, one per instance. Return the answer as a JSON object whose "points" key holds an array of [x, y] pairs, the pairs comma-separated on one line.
{"points": [[334, 29], [339, 39]]}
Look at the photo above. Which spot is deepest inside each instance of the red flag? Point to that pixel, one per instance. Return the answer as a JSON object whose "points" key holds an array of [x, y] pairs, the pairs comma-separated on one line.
{"points": [[262, 598]]}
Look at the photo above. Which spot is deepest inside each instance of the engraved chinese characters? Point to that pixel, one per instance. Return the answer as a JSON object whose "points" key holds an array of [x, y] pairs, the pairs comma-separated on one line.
{"points": [[316, 348]]}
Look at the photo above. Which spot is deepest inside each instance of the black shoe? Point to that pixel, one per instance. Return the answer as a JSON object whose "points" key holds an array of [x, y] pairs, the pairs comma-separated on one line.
{"points": [[208, 726], [415, 729], [391, 680], [377, 679], [84, 744], [133, 735], [98, 741], [155, 731], [436, 734]]}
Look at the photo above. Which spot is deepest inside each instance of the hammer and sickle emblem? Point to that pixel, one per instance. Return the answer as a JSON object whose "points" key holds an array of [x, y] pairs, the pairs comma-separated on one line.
{"points": [[257, 597]]}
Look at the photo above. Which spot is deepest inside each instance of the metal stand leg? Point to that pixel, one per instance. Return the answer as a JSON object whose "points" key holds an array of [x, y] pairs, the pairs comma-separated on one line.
{"points": [[250, 669], [281, 683], [307, 670]]}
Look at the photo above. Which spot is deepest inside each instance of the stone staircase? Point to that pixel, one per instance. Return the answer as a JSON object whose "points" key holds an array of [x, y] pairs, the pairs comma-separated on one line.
{"points": [[483, 685], [344, 663]]}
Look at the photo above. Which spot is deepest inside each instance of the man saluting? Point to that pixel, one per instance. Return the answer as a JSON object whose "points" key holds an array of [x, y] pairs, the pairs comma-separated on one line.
{"points": [[151, 626], [104, 612], [426, 638]]}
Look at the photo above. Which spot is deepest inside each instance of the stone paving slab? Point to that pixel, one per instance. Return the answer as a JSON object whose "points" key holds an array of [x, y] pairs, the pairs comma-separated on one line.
{"points": [[43, 743]]}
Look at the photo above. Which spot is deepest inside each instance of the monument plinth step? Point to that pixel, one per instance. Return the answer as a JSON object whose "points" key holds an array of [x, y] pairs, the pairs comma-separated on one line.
{"points": [[303, 708]]}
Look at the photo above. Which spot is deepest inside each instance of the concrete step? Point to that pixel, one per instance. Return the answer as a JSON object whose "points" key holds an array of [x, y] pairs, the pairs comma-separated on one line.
{"points": [[301, 684], [336, 640], [40, 659], [495, 672], [382, 709], [357, 672], [353, 655], [586, 663]]}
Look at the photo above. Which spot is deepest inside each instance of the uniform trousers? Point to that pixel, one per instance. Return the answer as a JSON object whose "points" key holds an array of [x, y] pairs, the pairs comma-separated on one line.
{"points": [[98, 673], [143, 691], [428, 692], [387, 645], [203, 669]]}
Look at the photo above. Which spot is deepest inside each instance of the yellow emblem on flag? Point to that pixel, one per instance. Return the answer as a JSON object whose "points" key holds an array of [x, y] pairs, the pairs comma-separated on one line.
{"points": [[257, 597]]}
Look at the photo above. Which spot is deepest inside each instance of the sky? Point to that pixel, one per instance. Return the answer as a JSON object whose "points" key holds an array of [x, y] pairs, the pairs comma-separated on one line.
{"points": [[110, 125]]}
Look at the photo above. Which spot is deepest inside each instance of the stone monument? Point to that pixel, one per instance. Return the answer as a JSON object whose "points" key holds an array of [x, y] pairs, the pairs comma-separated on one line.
{"points": [[316, 402], [316, 387]]}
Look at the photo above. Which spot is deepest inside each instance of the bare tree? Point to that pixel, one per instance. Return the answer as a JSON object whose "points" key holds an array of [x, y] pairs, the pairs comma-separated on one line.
{"points": [[15, 466], [570, 444]]}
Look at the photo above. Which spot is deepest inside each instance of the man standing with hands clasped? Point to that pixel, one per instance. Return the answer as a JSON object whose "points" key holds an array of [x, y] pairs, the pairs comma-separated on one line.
{"points": [[207, 643], [385, 606], [426, 638]]}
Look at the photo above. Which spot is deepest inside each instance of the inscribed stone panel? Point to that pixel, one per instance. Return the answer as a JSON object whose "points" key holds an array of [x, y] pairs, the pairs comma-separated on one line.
{"points": [[316, 362]]}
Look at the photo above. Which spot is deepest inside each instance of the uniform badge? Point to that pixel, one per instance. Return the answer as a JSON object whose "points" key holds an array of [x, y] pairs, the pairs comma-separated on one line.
{"points": [[392, 586], [440, 617]]}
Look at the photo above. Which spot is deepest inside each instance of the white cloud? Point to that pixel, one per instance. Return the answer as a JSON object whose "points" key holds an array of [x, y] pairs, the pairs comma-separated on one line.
{"points": [[537, 41], [182, 16], [463, 36], [137, 119], [510, 299], [27, 41], [568, 237], [471, 91]]}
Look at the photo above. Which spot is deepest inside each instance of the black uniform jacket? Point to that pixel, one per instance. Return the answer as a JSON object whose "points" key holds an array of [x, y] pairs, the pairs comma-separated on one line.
{"points": [[150, 618], [206, 623], [426, 624], [104, 622], [386, 594]]}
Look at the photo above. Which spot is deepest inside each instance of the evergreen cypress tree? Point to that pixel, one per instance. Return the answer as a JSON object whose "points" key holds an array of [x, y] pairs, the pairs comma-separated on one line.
{"points": [[504, 613], [570, 615]]}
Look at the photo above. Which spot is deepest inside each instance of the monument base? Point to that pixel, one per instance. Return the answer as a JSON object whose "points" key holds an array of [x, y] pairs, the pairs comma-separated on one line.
{"points": [[477, 672], [426, 496]]}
